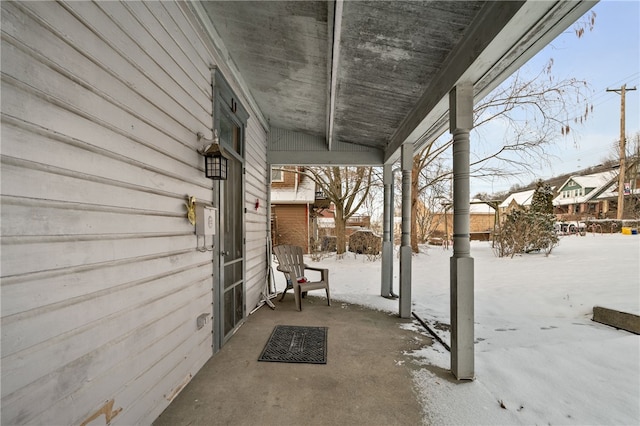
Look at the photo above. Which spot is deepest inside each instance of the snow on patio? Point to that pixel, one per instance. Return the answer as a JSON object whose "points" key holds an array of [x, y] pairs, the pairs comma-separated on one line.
{"points": [[540, 359]]}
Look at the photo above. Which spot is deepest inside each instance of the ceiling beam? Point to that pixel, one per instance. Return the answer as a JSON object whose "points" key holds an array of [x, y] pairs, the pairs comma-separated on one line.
{"points": [[288, 147], [335, 37]]}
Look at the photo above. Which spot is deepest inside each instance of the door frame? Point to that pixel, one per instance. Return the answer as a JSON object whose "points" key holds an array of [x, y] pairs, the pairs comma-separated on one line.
{"points": [[226, 103]]}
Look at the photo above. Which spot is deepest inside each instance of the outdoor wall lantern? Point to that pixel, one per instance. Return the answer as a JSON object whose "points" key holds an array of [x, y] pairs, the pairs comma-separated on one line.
{"points": [[215, 163]]}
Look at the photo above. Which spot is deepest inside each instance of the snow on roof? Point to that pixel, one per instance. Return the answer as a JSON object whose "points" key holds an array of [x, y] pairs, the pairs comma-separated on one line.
{"points": [[521, 198], [595, 181], [304, 194], [478, 207], [612, 191]]}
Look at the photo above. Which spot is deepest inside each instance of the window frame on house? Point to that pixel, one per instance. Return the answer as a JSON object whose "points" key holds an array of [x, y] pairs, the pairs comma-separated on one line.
{"points": [[274, 177]]}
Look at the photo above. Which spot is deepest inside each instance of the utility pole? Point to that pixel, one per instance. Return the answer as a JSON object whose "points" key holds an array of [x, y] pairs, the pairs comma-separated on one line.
{"points": [[622, 91]]}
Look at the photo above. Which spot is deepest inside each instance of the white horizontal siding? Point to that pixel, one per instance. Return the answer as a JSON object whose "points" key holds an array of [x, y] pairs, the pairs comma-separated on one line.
{"points": [[101, 279], [256, 179]]}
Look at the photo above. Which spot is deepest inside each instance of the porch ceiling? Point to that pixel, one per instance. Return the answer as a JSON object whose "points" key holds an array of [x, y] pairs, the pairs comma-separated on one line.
{"points": [[352, 81]]}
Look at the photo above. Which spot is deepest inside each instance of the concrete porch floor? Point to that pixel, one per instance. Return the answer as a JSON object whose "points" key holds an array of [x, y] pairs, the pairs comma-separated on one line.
{"points": [[366, 381]]}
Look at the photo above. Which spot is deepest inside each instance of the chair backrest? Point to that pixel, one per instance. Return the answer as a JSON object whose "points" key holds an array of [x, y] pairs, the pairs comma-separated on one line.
{"points": [[290, 257]]}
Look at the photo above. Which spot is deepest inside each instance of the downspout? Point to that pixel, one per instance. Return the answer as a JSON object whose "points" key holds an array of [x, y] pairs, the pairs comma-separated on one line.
{"points": [[386, 281], [308, 212]]}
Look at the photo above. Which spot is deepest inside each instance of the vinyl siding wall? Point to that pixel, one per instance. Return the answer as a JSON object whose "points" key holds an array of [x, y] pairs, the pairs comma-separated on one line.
{"points": [[101, 280]]}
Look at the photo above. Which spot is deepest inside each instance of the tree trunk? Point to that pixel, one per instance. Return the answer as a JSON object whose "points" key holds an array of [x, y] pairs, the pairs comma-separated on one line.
{"points": [[341, 240]]}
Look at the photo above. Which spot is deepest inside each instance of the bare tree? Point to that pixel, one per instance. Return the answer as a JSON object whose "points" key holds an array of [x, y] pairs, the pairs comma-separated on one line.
{"points": [[430, 186], [533, 114], [348, 189], [372, 205]]}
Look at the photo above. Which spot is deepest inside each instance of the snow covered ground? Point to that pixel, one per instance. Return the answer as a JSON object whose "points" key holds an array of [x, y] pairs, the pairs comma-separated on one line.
{"points": [[539, 359]]}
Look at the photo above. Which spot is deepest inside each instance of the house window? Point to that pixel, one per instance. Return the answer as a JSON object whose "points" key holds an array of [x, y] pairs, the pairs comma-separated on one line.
{"points": [[276, 174]]}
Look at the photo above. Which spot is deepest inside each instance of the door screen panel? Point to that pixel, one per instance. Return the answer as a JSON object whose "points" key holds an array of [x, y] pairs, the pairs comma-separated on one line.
{"points": [[233, 250]]}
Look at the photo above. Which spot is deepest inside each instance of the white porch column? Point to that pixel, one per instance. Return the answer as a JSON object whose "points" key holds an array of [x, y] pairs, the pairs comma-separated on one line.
{"points": [[405, 244], [461, 263], [386, 279]]}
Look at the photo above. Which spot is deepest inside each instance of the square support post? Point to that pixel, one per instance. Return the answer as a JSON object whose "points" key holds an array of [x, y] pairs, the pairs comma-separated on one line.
{"points": [[405, 245], [461, 263]]}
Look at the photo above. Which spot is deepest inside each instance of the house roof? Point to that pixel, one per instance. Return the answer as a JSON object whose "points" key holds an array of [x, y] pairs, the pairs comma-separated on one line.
{"points": [[595, 181], [352, 81], [479, 207], [521, 198], [305, 193]]}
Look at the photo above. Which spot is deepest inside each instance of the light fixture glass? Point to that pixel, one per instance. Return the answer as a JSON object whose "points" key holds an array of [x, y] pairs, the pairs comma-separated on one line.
{"points": [[215, 163], [215, 166]]}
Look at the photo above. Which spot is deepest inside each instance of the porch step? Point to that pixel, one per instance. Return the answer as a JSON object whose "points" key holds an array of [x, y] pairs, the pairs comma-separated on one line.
{"points": [[617, 319]]}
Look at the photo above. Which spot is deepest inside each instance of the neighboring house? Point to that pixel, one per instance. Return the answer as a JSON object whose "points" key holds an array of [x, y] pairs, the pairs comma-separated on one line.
{"points": [[577, 196], [293, 195], [607, 196], [482, 218], [113, 294], [520, 199], [325, 226], [481, 221]]}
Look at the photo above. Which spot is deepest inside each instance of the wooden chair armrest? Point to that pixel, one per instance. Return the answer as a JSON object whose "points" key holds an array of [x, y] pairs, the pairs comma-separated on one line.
{"points": [[314, 268], [323, 271]]}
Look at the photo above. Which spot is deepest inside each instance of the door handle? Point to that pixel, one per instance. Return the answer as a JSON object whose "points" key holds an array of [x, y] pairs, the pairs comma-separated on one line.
{"points": [[225, 253]]}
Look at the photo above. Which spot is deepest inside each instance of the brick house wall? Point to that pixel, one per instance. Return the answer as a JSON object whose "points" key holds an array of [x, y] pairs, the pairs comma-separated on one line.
{"points": [[289, 178], [290, 225]]}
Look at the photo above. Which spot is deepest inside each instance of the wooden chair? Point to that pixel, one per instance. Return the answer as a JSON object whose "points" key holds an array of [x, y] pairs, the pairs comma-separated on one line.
{"points": [[291, 264]]}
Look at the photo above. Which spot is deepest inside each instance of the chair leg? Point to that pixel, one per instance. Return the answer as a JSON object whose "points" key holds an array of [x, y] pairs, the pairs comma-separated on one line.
{"points": [[287, 287], [297, 291], [328, 297]]}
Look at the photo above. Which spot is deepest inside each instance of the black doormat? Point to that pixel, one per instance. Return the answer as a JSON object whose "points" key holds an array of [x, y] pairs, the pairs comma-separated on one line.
{"points": [[289, 343]]}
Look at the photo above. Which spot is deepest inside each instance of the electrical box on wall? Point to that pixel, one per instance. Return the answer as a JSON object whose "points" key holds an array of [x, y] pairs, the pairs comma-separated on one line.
{"points": [[205, 220]]}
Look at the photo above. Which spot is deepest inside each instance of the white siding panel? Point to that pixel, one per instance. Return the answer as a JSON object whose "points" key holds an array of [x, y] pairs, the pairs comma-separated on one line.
{"points": [[117, 81], [188, 41], [101, 280], [32, 254], [55, 121], [36, 366], [23, 217], [117, 36], [139, 366], [256, 179], [173, 59]]}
